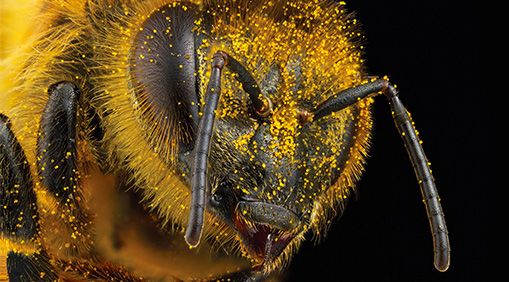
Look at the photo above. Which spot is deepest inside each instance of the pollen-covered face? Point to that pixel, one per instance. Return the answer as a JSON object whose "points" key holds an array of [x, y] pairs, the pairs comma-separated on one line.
{"points": [[270, 178]]}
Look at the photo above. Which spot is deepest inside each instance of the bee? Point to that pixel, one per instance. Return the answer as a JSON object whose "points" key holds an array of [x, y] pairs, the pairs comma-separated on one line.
{"points": [[183, 140]]}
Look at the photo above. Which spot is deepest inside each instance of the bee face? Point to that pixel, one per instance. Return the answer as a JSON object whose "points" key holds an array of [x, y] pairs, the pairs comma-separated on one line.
{"points": [[270, 178]]}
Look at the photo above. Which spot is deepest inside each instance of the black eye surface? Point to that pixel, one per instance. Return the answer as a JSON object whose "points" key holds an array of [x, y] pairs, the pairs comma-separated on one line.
{"points": [[163, 71]]}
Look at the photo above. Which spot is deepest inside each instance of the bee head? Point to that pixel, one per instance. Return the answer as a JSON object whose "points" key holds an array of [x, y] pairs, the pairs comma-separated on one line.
{"points": [[275, 152], [267, 171]]}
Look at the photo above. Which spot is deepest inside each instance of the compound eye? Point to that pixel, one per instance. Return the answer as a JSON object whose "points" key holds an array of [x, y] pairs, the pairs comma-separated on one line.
{"points": [[163, 76]]}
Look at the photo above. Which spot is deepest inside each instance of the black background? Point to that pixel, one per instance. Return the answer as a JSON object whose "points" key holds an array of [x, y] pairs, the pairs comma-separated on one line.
{"points": [[430, 50]]}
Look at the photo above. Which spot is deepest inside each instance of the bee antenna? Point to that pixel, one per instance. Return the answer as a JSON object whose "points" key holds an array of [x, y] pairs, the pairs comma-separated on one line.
{"points": [[261, 104], [408, 133], [199, 185]]}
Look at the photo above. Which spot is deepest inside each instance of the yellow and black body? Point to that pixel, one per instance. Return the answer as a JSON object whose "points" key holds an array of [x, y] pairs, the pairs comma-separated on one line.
{"points": [[126, 124]]}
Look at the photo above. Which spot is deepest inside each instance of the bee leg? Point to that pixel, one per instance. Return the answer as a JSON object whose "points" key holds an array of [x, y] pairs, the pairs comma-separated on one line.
{"points": [[18, 214], [56, 149]]}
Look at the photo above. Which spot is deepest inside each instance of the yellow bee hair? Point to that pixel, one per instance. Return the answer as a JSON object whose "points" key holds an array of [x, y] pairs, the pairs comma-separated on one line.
{"points": [[90, 44]]}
